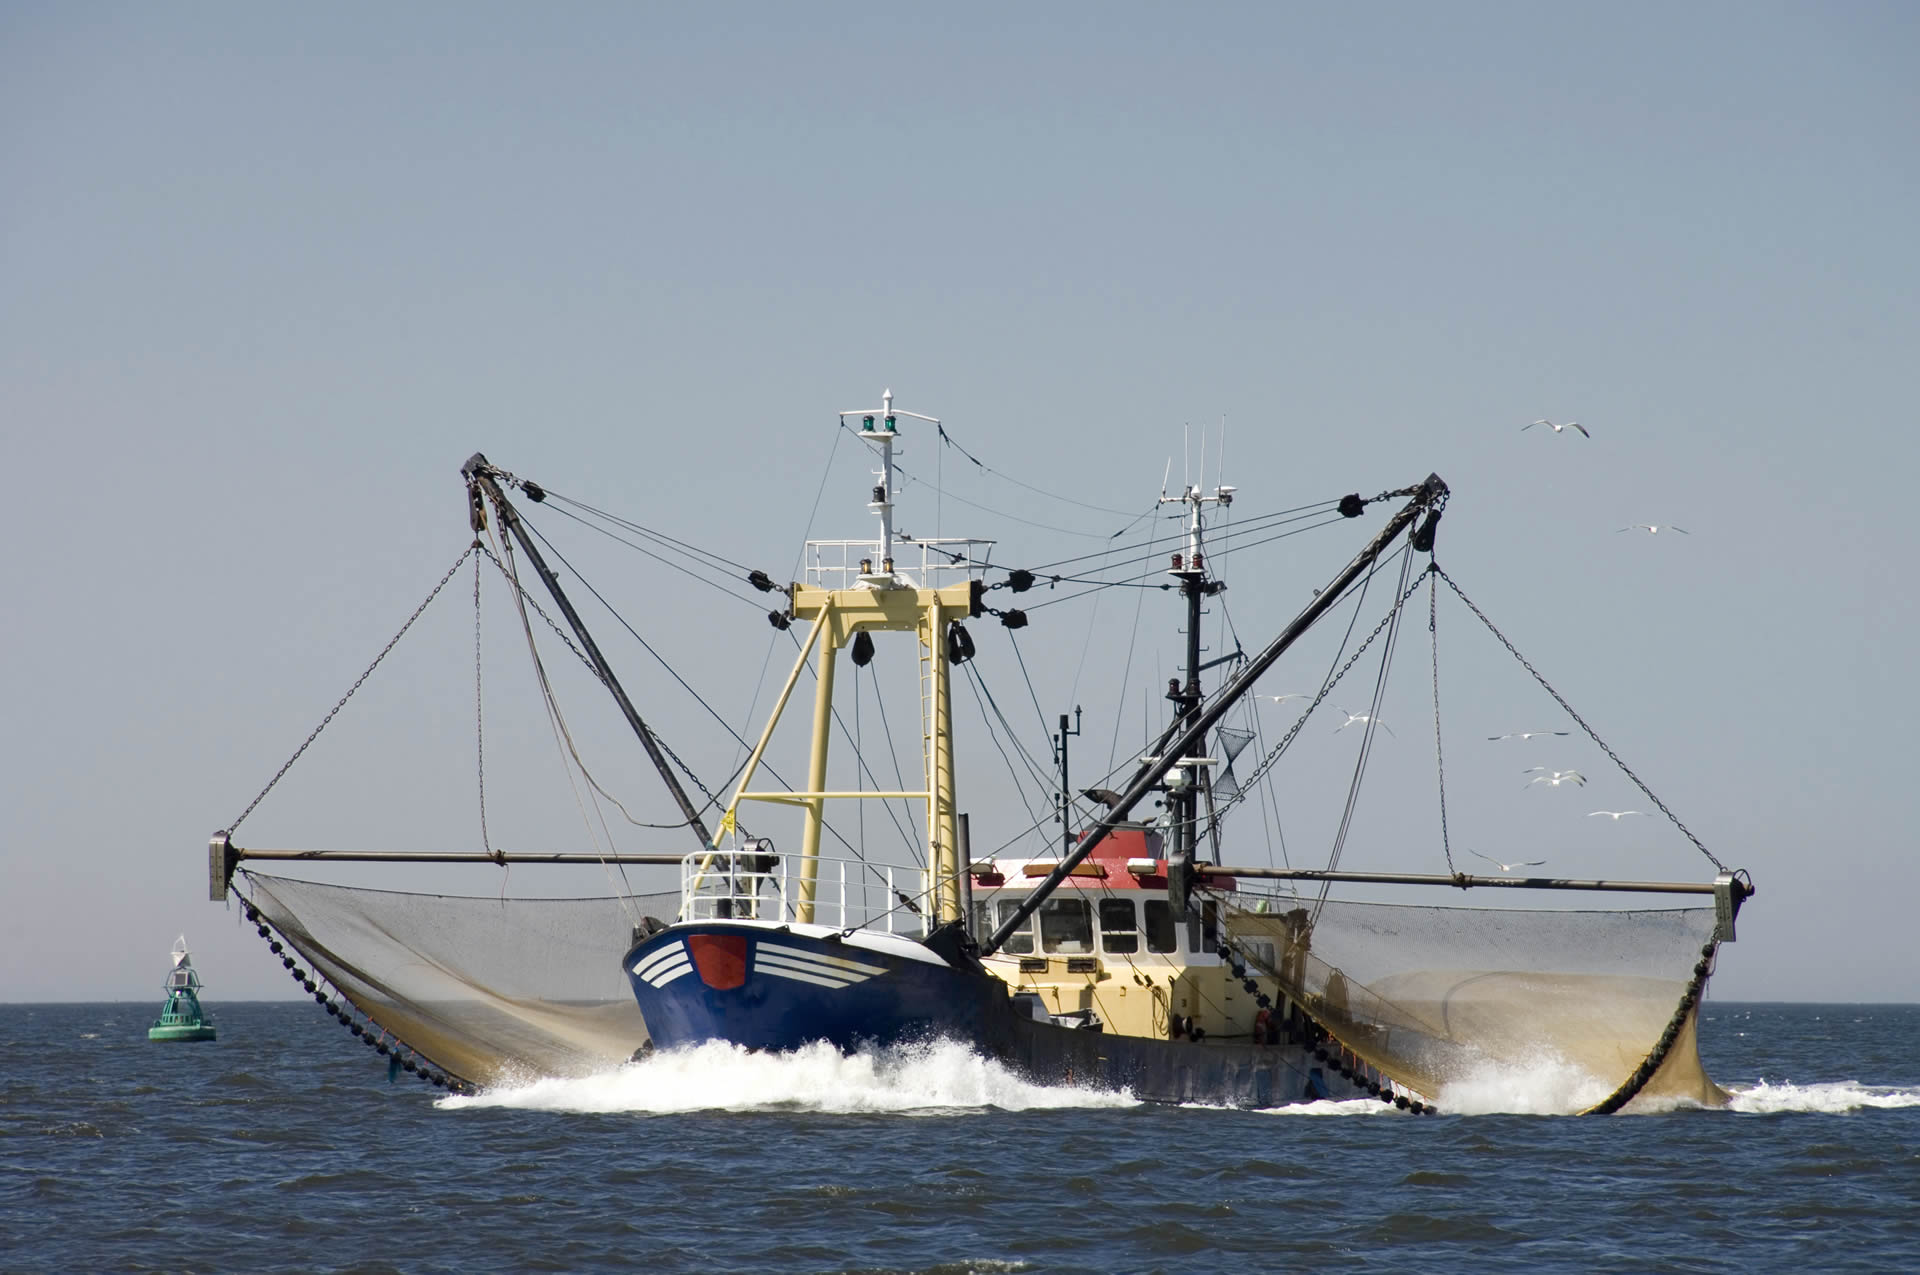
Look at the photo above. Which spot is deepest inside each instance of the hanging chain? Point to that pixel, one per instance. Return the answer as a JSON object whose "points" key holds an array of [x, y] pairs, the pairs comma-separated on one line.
{"points": [[1439, 753], [1591, 733], [529, 599], [480, 721], [1267, 762], [232, 827]]}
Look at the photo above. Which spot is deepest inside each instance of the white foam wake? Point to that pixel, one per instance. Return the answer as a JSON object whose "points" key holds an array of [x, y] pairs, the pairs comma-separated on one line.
{"points": [[1336, 1107], [1545, 1085], [1834, 1098], [943, 1078]]}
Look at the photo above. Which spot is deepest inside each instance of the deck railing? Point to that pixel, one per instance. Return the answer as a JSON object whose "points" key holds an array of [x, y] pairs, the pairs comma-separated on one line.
{"points": [[754, 884], [835, 564]]}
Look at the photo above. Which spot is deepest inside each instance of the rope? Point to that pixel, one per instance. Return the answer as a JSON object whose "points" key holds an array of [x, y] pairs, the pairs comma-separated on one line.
{"points": [[659, 537], [1591, 733], [358, 682], [1286, 741], [1369, 734], [563, 740], [685, 571], [479, 720], [1051, 495], [525, 599], [899, 777], [1439, 752]]}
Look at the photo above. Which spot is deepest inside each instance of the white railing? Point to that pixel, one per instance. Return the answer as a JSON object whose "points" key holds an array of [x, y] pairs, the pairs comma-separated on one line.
{"points": [[751, 884], [836, 564]]}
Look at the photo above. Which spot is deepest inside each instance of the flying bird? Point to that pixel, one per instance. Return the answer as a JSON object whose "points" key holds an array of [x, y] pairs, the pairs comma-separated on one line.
{"points": [[1281, 699], [1507, 867], [1555, 777], [1559, 428], [1615, 815], [1105, 796], [1526, 734], [1655, 528], [1364, 719]]}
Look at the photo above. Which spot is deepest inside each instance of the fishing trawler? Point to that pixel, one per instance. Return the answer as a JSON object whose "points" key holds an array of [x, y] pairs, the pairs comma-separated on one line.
{"points": [[1126, 954], [182, 1017]]}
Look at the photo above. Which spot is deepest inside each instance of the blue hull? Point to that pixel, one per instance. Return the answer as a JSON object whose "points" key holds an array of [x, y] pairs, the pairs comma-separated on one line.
{"points": [[775, 988]]}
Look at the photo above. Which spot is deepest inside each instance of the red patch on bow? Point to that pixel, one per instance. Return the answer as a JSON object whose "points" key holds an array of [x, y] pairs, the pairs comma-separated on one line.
{"points": [[721, 959]]}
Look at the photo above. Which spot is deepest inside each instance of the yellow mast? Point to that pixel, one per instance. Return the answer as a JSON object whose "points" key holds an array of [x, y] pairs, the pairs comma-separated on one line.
{"points": [[879, 600]]}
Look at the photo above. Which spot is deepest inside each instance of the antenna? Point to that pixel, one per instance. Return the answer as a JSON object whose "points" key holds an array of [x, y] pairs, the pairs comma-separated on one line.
{"points": [[882, 431]]}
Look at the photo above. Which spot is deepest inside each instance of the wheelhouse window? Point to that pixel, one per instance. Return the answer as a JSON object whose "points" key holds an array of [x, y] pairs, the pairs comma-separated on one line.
{"points": [[1202, 929], [1020, 942], [1161, 936], [1066, 926], [1119, 930]]}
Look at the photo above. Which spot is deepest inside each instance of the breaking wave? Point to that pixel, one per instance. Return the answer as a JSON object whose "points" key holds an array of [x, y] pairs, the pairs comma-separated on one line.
{"points": [[942, 1078], [1336, 1107], [1546, 1085], [1835, 1098]]}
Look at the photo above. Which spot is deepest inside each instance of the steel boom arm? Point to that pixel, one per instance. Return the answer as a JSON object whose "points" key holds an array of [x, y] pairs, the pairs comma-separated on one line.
{"points": [[1427, 496], [480, 474]]}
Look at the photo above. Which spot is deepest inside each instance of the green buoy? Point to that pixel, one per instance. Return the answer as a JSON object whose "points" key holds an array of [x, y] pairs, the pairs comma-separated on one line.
{"points": [[181, 1018]]}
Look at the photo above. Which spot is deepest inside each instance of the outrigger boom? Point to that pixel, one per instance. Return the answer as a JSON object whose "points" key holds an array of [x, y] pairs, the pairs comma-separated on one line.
{"points": [[1429, 496]]}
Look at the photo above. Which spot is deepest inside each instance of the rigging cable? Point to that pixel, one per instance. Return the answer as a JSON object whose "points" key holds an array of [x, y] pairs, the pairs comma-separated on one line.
{"points": [[908, 474], [1333, 679], [1270, 822], [793, 573], [685, 571], [480, 722], [1033, 695], [899, 776], [556, 721], [358, 682], [1051, 495], [860, 767], [712, 800], [659, 537], [1439, 752], [1591, 734], [1369, 734], [1274, 518], [524, 599], [973, 681], [1135, 582]]}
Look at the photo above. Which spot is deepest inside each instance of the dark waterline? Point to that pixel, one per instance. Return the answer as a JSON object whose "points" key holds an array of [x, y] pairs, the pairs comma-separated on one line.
{"points": [[281, 1147]]}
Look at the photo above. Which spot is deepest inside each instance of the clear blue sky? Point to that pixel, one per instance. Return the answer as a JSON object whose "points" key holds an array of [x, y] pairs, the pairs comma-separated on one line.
{"points": [[269, 274]]}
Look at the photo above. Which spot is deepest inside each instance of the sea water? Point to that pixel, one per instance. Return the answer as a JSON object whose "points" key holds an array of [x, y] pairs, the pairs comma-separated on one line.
{"points": [[283, 1147]]}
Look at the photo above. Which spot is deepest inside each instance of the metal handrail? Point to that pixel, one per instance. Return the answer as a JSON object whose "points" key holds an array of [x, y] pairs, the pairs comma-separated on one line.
{"points": [[755, 884]]}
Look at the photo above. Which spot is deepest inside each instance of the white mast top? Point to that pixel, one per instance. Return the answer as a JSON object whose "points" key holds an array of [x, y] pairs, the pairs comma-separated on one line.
{"points": [[1193, 560], [883, 431]]}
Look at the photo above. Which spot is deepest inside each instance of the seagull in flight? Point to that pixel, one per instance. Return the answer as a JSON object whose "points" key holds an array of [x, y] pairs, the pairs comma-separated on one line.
{"points": [[1363, 719], [1615, 815], [1525, 734], [1576, 425], [1281, 699], [1655, 528], [1507, 867], [1555, 777]]}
